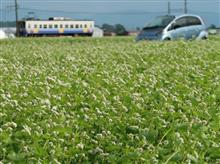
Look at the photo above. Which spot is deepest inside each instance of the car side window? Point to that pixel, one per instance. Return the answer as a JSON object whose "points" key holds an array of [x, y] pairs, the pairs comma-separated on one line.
{"points": [[192, 21], [182, 22]]}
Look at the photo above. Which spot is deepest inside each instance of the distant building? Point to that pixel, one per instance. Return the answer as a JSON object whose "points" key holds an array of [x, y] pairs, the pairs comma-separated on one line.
{"points": [[107, 33], [97, 33], [133, 33], [214, 31], [2, 34], [7, 32]]}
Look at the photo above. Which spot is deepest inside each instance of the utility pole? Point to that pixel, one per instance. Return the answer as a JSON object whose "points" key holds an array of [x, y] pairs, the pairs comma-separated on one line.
{"points": [[185, 6], [16, 16], [169, 9]]}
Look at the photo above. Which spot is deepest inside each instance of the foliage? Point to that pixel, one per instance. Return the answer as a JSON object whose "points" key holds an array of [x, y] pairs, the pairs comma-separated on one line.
{"points": [[108, 28], [7, 24], [118, 29], [75, 100], [212, 26]]}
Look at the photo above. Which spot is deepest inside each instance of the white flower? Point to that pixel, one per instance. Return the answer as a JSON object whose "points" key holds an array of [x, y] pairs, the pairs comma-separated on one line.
{"points": [[46, 102], [27, 129], [80, 146]]}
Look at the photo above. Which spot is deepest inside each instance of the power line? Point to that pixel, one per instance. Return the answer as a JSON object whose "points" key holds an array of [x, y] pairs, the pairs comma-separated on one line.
{"points": [[101, 1], [176, 10], [91, 12]]}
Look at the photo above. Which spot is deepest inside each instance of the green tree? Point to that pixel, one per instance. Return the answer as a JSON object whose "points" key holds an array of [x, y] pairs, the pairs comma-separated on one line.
{"points": [[108, 28], [212, 26], [120, 30]]}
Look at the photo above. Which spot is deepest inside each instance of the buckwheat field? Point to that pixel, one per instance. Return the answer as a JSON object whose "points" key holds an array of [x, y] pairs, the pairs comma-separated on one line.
{"points": [[109, 100]]}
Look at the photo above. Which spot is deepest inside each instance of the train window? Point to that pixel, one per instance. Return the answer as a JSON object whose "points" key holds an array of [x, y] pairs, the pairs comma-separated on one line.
{"points": [[29, 26], [61, 26], [71, 26], [50, 26], [45, 26], [55, 26], [77, 26], [66, 26], [35, 26], [85, 26], [40, 25], [81, 26], [91, 25]]}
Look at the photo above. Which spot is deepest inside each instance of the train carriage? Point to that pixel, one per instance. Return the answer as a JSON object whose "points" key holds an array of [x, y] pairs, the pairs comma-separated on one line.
{"points": [[56, 27]]}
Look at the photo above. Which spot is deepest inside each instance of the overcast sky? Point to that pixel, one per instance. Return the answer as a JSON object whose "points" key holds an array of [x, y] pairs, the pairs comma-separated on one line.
{"points": [[131, 13]]}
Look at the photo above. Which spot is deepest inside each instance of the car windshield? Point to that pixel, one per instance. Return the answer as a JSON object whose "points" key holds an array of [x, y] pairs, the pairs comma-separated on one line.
{"points": [[159, 22]]}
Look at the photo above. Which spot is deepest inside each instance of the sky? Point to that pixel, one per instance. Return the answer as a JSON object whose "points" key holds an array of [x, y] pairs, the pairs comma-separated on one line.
{"points": [[131, 13]]}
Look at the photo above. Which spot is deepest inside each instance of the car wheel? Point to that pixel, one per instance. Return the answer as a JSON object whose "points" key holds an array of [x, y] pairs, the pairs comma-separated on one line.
{"points": [[167, 39]]}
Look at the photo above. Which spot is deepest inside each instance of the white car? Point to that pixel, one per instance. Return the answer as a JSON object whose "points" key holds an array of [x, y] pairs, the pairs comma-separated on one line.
{"points": [[171, 28]]}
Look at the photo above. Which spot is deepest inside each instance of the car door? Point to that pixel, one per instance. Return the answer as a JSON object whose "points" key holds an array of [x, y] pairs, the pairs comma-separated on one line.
{"points": [[178, 28], [194, 27]]}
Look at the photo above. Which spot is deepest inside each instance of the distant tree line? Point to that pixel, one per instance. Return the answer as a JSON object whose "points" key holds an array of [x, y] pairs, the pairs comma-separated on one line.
{"points": [[212, 26], [7, 24], [118, 29]]}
